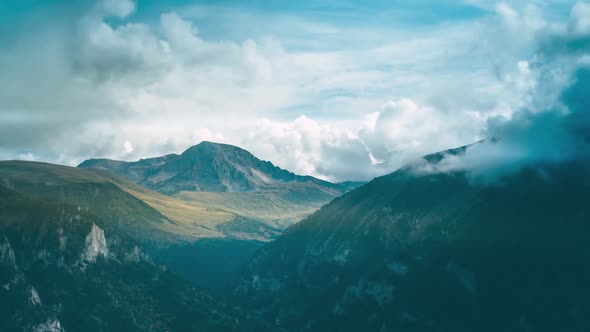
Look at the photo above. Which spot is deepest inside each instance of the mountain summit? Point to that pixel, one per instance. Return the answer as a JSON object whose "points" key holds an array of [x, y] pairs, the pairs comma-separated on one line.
{"points": [[207, 166], [222, 177]]}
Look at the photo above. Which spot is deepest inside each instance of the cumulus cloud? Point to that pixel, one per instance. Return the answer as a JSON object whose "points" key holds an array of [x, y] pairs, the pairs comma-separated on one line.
{"points": [[120, 8], [554, 125], [307, 147], [111, 83], [385, 140], [403, 130], [104, 80]]}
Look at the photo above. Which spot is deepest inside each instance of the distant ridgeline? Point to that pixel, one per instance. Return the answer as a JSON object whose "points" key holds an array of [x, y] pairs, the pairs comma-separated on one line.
{"points": [[230, 179]]}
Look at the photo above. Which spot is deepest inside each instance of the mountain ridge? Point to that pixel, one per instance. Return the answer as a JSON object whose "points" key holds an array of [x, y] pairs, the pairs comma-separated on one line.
{"points": [[208, 167], [416, 251], [227, 178]]}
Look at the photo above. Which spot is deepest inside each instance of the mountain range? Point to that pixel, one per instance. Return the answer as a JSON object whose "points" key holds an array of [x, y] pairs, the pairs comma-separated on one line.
{"points": [[137, 246], [210, 167], [184, 230], [230, 179]]}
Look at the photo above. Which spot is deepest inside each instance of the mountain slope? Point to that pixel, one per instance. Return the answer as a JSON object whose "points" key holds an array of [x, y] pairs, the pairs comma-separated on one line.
{"points": [[226, 178], [168, 228], [145, 214], [63, 269], [435, 252], [210, 167]]}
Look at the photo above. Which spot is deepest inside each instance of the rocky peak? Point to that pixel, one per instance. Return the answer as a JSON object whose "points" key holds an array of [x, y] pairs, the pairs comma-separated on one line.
{"points": [[207, 166]]}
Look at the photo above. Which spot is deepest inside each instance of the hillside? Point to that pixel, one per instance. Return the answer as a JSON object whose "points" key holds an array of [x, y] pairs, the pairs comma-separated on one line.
{"points": [[171, 229], [148, 215], [411, 251], [64, 269]]}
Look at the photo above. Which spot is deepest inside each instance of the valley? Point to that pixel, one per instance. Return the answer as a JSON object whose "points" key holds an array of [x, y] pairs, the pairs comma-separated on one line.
{"points": [[294, 166], [413, 250], [206, 237]]}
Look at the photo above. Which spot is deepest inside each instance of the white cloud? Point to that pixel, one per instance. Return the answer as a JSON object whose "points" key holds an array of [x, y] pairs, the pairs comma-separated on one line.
{"points": [[120, 8], [127, 147], [551, 125], [164, 85], [401, 132], [28, 156], [580, 18], [507, 13]]}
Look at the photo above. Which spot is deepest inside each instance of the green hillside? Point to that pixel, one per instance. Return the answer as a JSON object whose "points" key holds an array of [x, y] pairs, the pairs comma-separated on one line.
{"points": [[168, 227], [65, 269], [144, 214], [412, 251]]}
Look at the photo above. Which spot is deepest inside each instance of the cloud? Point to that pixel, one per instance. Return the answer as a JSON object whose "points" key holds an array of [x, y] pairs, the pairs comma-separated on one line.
{"points": [[106, 80], [28, 156], [127, 147], [307, 147], [580, 19], [315, 94], [120, 8], [399, 133], [554, 125]]}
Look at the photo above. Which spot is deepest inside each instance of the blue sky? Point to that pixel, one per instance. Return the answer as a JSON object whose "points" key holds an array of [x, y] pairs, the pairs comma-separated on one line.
{"points": [[343, 90]]}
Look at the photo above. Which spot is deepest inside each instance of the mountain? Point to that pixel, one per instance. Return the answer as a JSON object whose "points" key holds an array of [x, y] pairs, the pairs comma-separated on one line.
{"points": [[264, 198], [144, 214], [415, 251], [182, 235], [209, 167], [62, 268], [205, 240]]}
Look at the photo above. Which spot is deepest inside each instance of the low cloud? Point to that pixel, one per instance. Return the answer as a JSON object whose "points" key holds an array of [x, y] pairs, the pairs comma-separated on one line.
{"points": [[554, 125], [399, 133], [108, 84]]}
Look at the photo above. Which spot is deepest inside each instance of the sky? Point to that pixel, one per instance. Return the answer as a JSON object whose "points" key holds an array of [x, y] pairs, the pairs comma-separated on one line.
{"points": [[341, 90]]}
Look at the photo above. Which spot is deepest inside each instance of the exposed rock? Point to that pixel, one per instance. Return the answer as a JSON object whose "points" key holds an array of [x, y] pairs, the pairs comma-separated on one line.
{"points": [[34, 298], [63, 240], [96, 245], [210, 167], [342, 256], [136, 256], [52, 325], [7, 254]]}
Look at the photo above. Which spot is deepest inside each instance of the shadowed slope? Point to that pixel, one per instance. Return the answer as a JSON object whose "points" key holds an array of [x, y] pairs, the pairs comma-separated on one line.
{"points": [[434, 252], [62, 269]]}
